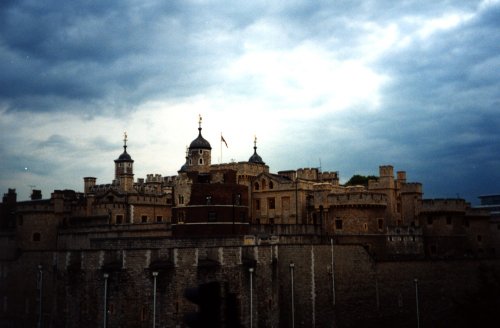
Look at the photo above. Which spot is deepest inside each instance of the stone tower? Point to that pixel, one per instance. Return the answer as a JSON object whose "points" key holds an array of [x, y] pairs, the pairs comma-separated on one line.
{"points": [[124, 169], [199, 154]]}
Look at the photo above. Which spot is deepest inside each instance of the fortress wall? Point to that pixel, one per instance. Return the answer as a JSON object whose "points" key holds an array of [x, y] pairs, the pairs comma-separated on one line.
{"points": [[366, 293]]}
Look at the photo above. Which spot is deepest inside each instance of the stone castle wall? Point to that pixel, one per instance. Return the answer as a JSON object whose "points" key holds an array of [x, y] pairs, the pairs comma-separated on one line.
{"points": [[358, 292]]}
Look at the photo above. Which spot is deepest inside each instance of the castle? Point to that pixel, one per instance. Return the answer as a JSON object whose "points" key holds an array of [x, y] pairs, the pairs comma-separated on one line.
{"points": [[121, 254]]}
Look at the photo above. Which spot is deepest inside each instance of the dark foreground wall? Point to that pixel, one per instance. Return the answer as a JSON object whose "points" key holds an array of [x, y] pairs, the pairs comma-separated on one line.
{"points": [[357, 293]]}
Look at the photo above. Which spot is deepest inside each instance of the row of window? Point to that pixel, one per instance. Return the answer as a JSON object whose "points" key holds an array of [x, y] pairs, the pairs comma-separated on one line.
{"points": [[430, 221], [144, 219], [339, 224], [263, 184], [271, 203]]}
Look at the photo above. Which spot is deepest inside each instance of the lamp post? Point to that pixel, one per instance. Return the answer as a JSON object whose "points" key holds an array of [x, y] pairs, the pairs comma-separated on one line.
{"points": [[155, 274], [416, 300], [292, 266], [251, 296], [333, 273], [40, 284], [106, 276]]}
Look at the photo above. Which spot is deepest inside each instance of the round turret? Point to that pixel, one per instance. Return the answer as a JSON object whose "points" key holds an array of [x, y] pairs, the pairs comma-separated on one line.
{"points": [[199, 154]]}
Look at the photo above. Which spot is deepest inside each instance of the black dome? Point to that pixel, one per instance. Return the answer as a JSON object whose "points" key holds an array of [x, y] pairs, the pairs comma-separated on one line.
{"points": [[124, 157], [200, 142], [256, 159]]}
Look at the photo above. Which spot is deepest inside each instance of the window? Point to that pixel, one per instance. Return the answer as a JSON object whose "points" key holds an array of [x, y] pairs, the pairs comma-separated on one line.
{"points": [[257, 204], [209, 200], [159, 218], [271, 185], [200, 161], [270, 203], [212, 216], [365, 227], [256, 186], [36, 236], [201, 151], [285, 203], [381, 224], [119, 219], [237, 201], [111, 308], [181, 199], [144, 219], [338, 224]]}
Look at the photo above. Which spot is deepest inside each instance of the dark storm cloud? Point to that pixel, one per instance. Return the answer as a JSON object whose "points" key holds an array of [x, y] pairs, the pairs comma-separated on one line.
{"points": [[58, 53], [437, 115]]}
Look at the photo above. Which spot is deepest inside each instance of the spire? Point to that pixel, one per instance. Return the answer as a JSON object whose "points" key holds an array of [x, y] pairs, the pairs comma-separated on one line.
{"points": [[200, 142], [125, 141], [125, 156], [199, 124], [255, 158]]}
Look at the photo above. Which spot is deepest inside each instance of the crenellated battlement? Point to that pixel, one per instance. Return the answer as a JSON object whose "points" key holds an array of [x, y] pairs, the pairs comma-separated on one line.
{"points": [[444, 205], [357, 199], [413, 187], [308, 174]]}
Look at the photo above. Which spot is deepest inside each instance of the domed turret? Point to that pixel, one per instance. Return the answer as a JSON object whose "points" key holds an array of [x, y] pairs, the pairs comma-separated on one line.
{"points": [[184, 167], [200, 142], [255, 158], [199, 154], [124, 168]]}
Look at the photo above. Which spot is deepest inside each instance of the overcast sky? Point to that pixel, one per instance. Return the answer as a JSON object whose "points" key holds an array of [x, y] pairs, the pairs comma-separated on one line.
{"points": [[342, 85]]}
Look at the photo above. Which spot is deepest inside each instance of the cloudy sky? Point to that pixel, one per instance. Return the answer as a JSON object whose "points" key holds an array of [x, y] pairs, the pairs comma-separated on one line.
{"points": [[342, 85]]}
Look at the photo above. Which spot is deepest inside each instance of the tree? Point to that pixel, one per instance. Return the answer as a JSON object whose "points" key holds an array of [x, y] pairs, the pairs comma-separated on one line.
{"points": [[362, 180]]}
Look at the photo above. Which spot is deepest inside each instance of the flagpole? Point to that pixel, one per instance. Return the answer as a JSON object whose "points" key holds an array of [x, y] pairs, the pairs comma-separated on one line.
{"points": [[220, 148]]}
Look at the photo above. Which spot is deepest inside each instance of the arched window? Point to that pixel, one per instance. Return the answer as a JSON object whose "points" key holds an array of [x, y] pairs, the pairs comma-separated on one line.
{"points": [[201, 161], [256, 186], [36, 236], [271, 185]]}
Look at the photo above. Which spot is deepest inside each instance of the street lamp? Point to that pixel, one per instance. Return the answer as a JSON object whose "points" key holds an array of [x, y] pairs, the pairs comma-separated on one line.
{"points": [[292, 266], [40, 284], [155, 274], [106, 276], [251, 296], [416, 300]]}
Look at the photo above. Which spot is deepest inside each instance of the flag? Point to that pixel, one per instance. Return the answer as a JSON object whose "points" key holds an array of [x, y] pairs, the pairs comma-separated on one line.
{"points": [[222, 140]]}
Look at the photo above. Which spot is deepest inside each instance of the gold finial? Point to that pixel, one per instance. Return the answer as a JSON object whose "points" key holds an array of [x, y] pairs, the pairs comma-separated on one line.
{"points": [[199, 122], [125, 138], [255, 140]]}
